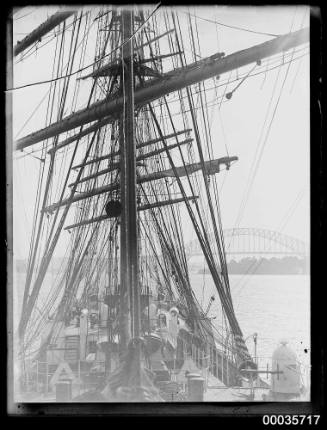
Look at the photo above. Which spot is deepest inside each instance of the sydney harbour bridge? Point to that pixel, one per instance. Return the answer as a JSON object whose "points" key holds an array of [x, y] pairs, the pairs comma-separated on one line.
{"points": [[256, 241]]}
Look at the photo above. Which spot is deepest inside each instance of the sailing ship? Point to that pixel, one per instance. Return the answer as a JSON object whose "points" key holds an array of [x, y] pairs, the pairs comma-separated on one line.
{"points": [[125, 149]]}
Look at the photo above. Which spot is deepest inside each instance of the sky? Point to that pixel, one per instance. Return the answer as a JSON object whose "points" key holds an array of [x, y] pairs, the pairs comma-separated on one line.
{"points": [[279, 198]]}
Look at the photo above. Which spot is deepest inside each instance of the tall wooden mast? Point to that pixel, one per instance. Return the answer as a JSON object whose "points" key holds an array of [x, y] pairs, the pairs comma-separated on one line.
{"points": [[130, 312]]}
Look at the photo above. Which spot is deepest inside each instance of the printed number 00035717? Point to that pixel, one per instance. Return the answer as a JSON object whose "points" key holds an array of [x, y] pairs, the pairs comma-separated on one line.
{"points": [[290, 419]]}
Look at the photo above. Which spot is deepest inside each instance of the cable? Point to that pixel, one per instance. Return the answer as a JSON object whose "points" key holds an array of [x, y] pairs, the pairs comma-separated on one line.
{"points": [[62, 220], [37, 47], [256, 160], [233, 26], [289, 213], [32, 114], [92, 64], [23, 16], [230, 93], [285, 220]]}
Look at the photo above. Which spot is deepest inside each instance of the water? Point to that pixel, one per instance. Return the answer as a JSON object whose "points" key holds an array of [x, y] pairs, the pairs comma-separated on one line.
{"points": [[275, 307]]}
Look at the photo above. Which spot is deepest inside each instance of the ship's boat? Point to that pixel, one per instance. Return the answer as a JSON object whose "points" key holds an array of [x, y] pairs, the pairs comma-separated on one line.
{"points": [[125, 147]]}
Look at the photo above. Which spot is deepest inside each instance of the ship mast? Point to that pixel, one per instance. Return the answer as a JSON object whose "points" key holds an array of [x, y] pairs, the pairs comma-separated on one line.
{"points": [[130, 297], [169, 82], [123, 107]]}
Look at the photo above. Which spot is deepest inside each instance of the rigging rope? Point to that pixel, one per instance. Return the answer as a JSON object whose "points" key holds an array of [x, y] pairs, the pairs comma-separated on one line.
{"points": [[251, 180], [285, 220], [233, 26], [89, 65], [255, 163]]}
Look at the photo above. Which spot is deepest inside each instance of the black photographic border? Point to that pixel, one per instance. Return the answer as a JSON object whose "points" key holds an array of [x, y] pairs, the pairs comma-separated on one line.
{"points": [[225, 412]]}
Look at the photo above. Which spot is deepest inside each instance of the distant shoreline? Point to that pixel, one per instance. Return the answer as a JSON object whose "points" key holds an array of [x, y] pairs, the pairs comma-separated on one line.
{"points": [[202, 272], [265, 266], [249, 265]]}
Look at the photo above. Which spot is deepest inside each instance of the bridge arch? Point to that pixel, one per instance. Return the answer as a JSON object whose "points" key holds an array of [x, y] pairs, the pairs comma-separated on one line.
{"points": [[265, 242]]}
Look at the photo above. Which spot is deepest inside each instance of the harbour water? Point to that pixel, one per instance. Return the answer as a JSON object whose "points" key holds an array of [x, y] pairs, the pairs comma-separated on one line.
{"points": [[273, 306]]}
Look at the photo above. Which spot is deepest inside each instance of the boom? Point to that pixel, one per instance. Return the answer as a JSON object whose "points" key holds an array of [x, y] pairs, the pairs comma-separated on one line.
{"points": [[171, 81], [42, 30]]}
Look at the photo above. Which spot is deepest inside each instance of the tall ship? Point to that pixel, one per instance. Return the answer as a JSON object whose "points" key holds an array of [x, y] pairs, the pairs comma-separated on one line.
{"points": [[127, 168]]}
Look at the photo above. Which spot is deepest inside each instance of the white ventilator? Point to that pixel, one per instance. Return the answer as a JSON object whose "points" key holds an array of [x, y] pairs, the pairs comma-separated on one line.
{"points": [[288, 378]]}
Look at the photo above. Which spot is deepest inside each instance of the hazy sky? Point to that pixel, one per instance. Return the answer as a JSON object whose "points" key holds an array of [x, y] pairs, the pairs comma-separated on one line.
{"points": [[279, 198]]}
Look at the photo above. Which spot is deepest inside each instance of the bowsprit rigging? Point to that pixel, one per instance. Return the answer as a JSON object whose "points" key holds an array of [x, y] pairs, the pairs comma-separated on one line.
{"points": [[119, 174]]}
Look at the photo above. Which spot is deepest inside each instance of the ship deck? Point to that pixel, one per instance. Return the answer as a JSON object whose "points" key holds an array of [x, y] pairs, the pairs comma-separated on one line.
{"points": [[215, 391]]}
